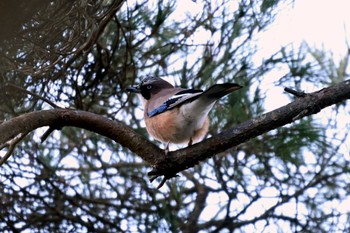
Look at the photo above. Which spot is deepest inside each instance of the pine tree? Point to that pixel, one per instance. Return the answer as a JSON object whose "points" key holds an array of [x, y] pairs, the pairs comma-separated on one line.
{"points": [[67, 64]]}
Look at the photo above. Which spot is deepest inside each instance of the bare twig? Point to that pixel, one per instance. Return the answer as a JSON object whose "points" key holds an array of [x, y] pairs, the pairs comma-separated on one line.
{"points": [[165, 178], [33, 94], [294, 92], [49, 131], [11, 146], [305, 112]]}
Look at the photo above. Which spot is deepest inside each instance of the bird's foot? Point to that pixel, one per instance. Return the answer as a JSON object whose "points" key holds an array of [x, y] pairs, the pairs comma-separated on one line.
{"points": [[166, 149], [190, 142]]}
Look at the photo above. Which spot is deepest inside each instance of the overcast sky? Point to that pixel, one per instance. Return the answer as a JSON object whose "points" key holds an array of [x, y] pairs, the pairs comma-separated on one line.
{"points": [[318, 22], [324, 24]]}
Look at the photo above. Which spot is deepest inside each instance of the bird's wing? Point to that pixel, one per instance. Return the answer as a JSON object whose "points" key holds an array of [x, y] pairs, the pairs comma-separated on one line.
{"points": [[201, 101], [176, 100]]}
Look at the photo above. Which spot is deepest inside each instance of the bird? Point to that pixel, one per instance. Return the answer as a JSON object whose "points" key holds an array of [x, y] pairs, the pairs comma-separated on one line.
{"points": [[177, 115]]}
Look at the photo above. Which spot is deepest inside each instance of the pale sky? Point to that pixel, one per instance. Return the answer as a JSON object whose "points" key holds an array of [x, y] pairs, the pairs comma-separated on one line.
{"points": [[318, 22], [324, 24]]}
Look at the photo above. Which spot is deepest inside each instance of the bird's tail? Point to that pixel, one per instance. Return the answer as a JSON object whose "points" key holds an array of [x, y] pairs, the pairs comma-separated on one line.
{"points": [[205, 101], [219, 90]]}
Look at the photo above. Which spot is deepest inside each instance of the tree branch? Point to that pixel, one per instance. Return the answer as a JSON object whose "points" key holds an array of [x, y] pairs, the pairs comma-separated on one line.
{"points": [[311, 103], [11, 146], [114, 130], [172, 163]]}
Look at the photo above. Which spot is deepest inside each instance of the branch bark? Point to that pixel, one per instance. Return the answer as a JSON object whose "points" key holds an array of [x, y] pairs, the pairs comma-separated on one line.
{"points": [[311, 103], [58, 118], [172, 163]]}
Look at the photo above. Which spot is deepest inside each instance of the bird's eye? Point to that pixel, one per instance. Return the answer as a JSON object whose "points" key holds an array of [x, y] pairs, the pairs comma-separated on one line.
{"points": [[149, 87]]}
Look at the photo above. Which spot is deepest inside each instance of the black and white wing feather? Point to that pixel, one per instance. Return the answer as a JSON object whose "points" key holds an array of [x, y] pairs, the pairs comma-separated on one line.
{"points": [[176, 101]]}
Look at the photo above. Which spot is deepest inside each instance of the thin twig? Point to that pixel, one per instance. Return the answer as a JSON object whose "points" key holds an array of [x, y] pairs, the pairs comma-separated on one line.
{"points": [[49, 131], [33, 94], [11, 146], [294, 92], [165, 178]]}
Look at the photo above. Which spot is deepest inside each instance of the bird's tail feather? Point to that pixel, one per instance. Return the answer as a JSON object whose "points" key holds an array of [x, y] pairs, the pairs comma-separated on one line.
{"points": [[219, 90], [200, 106]]}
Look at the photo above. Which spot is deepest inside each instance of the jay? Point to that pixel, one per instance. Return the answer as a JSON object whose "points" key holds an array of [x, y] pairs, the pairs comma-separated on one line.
{"points": [[177, 115]]}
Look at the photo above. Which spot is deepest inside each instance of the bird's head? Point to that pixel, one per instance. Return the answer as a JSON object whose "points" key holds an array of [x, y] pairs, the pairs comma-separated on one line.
{"points": [[149, 87]]}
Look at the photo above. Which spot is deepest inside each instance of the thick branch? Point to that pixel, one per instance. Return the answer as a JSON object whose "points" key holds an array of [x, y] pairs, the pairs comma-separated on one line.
{"points": [[176, 161], [58, 118], [311, 103]]}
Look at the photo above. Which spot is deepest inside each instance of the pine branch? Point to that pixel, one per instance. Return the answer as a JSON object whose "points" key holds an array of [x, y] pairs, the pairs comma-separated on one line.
{"points": [[309, 104], [172, 163]]}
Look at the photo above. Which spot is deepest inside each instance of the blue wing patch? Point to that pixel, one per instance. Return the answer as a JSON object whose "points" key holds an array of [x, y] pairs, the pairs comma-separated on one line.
{"points": [[177, 100], [163, 107], [160, 109]]}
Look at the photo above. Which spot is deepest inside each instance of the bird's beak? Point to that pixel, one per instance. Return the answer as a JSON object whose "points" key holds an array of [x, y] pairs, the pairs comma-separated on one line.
{"points": [[135, 89]]}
